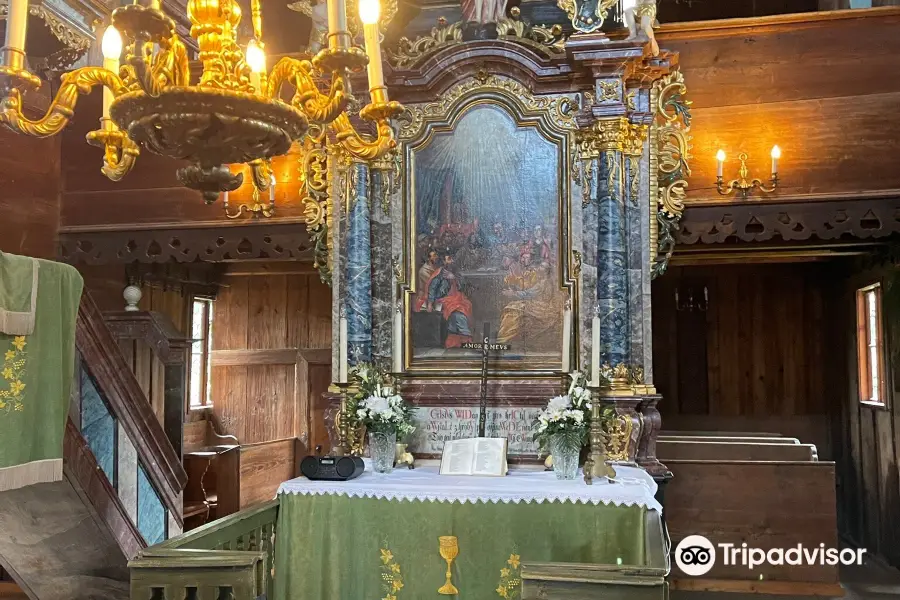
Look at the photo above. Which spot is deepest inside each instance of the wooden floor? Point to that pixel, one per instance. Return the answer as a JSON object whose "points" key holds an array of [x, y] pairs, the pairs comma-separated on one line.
{"points": [[869, 582]]}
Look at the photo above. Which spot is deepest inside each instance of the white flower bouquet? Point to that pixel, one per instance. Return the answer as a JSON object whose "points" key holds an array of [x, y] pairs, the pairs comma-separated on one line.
{"points": [[568, 415], [385, 412]]}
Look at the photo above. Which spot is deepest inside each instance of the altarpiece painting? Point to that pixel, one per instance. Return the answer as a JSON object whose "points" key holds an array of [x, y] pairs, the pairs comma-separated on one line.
{"points": [[485, 215]]}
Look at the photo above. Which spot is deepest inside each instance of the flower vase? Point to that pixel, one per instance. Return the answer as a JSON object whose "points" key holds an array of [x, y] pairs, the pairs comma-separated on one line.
{"points": [[382, 449], [565, 456]]}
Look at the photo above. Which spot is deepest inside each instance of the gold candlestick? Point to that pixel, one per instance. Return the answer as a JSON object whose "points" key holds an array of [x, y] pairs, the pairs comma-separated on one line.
{"points": [[449, 550]]}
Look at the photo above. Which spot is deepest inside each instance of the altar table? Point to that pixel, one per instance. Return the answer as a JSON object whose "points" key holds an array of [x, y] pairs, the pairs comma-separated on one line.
{"points": [[377, 537]]}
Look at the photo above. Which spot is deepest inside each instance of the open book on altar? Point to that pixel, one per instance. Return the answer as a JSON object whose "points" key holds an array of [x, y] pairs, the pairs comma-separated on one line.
{"points": [[475, 456]]}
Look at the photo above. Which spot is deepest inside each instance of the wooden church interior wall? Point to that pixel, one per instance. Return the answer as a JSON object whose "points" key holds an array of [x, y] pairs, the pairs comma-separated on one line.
{"points": [[29, 190], [757, 358], [869, 436], [261, 326], [832, 110]]}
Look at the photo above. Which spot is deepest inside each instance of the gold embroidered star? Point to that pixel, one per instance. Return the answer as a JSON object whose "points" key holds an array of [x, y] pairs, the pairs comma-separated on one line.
{"points": [[19, 342], [386, 556], [501, 591], [395, 568], [504, 572], [16, 387], [8, 373], [10, 354], [397, 585], [514, 561], [390, 597]]}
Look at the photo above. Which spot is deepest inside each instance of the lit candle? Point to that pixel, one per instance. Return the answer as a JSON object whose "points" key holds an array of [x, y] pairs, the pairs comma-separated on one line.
{"points": [[398, 338], [272, 189], [567, 337], [776, 154], [342, 350], [595, 351], [256, 60], [16, 25], [720, 159], [226, 199], [111, 46], [337, 17], [369, 11]]}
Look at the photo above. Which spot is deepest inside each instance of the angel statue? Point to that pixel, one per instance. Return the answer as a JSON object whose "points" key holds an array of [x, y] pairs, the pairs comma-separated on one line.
{"points": [[483, 11], [640, 16]]}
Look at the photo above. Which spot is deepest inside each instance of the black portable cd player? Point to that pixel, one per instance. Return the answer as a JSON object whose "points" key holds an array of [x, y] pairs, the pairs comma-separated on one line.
{"points": [[332, 468]]}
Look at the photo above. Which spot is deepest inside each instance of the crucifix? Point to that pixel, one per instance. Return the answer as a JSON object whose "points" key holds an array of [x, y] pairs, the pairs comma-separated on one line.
{"points": [[485, 346]]}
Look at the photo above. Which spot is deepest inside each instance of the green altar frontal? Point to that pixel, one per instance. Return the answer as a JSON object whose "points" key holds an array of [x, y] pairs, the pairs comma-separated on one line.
{"points": [[392, 546]]}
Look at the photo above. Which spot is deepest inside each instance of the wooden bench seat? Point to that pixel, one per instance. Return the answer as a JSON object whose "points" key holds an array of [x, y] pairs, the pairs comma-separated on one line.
{"points": [[734, 451]]}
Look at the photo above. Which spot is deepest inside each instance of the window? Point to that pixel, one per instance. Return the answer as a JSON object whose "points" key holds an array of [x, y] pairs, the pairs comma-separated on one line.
{"points": [[870, 345], [201, 334]]}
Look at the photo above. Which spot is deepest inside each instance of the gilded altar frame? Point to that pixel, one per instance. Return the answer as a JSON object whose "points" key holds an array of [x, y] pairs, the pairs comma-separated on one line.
{"points": [[553, 117]]}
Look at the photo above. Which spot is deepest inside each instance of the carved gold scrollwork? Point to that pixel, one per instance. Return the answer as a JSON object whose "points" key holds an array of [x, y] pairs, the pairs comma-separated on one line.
{"points": [[672, 151], [317, 205]]}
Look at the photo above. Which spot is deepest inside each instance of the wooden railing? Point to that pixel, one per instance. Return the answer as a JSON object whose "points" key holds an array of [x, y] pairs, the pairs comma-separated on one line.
{"points": [[129, 407], [233, 557]]}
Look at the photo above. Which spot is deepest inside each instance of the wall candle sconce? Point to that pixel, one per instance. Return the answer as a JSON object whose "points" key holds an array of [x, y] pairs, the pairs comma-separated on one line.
{"points": [[742, 184], [258, 209]]}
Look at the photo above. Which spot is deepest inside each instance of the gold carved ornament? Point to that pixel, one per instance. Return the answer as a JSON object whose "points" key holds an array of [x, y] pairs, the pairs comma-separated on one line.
{"points": [[233, 114], [604, 138], [548, 39], [585, 19], [672, 141]]}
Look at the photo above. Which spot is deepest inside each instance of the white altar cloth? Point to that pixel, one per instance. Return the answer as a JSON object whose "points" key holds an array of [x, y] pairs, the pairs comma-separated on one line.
{"points": [[632, 487]]}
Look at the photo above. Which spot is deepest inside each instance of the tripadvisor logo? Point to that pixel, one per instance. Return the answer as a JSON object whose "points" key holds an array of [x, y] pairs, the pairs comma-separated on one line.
{"points": [[695, 555]]}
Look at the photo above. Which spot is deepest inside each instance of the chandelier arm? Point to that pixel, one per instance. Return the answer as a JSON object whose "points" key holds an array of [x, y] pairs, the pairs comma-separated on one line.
{"points": [[261, 171], [361, 147], [119, 160], [79, 81], [318, 107]]}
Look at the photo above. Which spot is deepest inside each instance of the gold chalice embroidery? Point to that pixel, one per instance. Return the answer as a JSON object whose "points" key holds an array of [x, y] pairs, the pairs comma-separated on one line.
{"points": [[449, 546]]}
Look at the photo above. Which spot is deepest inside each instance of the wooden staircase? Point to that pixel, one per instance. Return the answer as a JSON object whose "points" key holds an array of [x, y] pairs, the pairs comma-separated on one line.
{"points": [[121, 488]]}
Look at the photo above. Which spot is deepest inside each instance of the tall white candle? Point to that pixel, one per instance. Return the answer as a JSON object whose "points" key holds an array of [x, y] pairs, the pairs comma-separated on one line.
{"points": [[595, 351], [272, 188], [373, 49], [16, 24], [398, 339], [342, 351], [567, 337], [776, 154], [720, 162], [110, 64], [337, 17]]}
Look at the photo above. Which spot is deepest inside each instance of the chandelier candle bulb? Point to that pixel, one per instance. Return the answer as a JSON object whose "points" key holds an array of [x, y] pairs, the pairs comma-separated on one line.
{"points": [[776, 154], [369, 12], [256, 60], [16, 27], [337, 17], [720, 163], [272, 190], [111, 46]]}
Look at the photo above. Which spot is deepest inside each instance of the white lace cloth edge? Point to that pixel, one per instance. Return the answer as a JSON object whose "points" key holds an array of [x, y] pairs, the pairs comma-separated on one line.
{"points": [[633, 487]]}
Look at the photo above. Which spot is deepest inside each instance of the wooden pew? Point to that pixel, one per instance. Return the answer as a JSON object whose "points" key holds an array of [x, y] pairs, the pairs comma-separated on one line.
{"points": [[251, 474], [734, 450]]}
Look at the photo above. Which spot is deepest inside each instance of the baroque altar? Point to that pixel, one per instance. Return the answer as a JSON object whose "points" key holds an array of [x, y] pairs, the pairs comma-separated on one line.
{"points": [[534, 194]]}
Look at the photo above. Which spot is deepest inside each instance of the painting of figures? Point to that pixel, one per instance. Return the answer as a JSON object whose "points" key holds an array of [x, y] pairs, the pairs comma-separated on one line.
{"points": [[486, 247]]}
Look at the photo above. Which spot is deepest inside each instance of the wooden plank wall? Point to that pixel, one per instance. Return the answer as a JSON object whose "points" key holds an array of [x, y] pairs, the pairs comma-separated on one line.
{"points": [[29, 190], [755, 360], [815, 84], [869, 494], [253, 397]]}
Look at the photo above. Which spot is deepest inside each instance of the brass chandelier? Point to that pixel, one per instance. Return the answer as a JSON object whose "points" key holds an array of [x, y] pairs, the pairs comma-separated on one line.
{"points": [[233, 114]]}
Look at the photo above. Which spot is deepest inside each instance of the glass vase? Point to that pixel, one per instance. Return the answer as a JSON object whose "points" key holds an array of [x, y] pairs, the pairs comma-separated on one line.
{"points": [[382, 449], [565, 454]]}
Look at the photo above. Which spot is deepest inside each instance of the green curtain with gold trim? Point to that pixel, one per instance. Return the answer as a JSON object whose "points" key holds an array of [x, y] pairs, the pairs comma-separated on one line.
{"points": [[340, 548]]}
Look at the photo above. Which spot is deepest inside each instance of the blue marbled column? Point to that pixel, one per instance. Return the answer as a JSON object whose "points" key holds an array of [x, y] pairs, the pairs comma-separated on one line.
{"points": [[612, 261], [359, 268], [382, 273], [635, 213]]}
